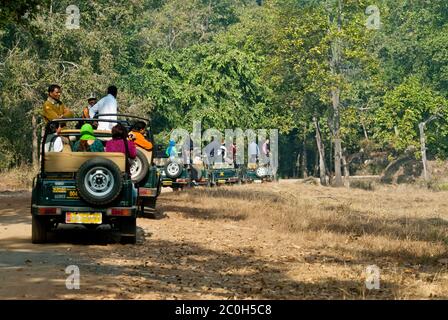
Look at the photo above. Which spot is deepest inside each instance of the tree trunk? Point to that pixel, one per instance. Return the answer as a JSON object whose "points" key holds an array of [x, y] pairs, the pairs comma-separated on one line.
{"points": [[337, 140], [346, 170], [35, 154], [335, 99], [321, 150], [421, 127], [364, 130], [304, 158], [297, 166]]}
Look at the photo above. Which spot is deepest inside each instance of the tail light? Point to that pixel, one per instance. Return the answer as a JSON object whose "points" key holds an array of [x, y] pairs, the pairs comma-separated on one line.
{"points": [[122, 212], [144, 192], [48, 211]]}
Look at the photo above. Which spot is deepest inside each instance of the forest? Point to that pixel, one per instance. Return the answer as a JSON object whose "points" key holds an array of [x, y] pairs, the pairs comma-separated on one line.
{"points": [[351, 85]]}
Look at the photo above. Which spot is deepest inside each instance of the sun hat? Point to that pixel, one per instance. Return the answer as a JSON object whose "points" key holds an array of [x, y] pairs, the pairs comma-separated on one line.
{"points": [[87, 132]]}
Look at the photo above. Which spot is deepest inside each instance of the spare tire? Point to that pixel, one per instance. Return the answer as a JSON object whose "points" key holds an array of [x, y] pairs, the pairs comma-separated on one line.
{"points": [[139, 167], [99, 181], [173, 169], [261, 172]]}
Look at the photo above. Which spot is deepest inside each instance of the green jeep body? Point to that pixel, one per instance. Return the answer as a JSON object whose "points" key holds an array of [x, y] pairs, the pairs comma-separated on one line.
{"points": [[225, 174], [181, 175], [258, 173]]}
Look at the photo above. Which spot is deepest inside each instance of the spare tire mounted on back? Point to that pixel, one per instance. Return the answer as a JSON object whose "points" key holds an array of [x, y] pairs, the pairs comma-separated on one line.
{"points": [[173, 169], [99, 181], [139, 168]]}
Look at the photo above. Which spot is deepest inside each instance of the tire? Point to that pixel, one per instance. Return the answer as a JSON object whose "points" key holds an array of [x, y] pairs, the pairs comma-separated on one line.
{"points": [[139, 167], [38, 230], [128, 230], [99, 181], [260, 172], [173, 169]]}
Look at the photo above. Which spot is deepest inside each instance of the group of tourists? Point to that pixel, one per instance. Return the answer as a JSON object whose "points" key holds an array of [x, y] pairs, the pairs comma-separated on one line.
{"points": [[105, 108]]}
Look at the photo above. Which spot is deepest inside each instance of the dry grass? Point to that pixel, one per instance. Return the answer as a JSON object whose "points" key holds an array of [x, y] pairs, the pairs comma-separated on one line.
{"points": [[339, 232], [18, 179]]}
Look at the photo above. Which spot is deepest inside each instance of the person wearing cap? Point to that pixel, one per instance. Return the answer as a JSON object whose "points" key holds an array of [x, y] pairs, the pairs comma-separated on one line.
{"points": [[88, 142], [91, 101], [85, 112]]}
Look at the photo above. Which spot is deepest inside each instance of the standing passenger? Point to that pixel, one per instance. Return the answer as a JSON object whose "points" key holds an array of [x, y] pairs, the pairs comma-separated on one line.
{"points": [[107, 105]]}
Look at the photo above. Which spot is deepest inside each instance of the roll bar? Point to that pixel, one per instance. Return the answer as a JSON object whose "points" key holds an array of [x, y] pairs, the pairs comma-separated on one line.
{"points": [[64, 120]]}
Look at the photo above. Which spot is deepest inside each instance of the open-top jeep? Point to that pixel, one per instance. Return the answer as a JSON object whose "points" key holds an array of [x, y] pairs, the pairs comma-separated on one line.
{"points": [[225, 173], [178, 174], [143, 169], [86, 188], [257, 172]]}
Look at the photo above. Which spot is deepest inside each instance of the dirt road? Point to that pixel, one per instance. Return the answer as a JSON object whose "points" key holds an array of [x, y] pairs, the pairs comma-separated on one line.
{"points": [[176, 257], [274, 241]]}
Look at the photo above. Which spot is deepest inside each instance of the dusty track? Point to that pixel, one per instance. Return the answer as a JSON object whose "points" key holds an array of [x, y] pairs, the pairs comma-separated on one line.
{"points": [[274, 241], [175, 258]]}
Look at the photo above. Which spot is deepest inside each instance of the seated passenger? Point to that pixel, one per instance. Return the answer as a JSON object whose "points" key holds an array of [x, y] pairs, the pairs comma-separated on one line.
{"points": [[88, 142], [53, 143], [137, 135], [117, 143]]}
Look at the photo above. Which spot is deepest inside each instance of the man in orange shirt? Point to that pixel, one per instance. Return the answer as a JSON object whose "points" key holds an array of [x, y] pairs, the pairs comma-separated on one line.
{"points": [[85, 112], [137, 135]]}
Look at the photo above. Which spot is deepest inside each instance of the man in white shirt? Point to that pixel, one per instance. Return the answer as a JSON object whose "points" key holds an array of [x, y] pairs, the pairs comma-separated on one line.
{"points": [[254, 152], [54, 142], [106, 105]]}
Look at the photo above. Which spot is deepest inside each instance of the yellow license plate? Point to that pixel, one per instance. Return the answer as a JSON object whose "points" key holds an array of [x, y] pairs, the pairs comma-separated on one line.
{"points": [[84, 218], [221, 181], [167, 183]]}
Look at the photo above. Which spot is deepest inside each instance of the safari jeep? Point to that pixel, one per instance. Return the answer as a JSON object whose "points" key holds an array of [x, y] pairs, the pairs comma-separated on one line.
{"points": [[225, 173], [83, 188], [144, 173], [177, 175], [256, 173]]}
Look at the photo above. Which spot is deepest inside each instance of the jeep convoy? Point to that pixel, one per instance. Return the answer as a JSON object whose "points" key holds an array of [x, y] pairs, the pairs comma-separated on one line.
{"points": [[97, 188]]}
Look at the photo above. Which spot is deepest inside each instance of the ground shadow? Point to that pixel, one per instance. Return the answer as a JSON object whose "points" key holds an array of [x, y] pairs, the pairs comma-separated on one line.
{"points": [[236, 192], [172, 270], [206, 214]]}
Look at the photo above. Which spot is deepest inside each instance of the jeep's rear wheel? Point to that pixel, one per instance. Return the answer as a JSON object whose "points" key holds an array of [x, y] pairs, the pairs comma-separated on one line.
{"points": [[139, 168], [38, 230], [128, 230], [99, 181]]}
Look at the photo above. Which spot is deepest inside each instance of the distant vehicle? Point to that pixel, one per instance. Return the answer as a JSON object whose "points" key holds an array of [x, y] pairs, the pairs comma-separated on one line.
{"points": [[177, 175], [83, 188], [257, 173], [225, 173]]}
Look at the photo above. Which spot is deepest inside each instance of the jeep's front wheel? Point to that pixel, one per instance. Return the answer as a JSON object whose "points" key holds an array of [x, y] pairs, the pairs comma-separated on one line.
{"points": [[38, 230]]}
